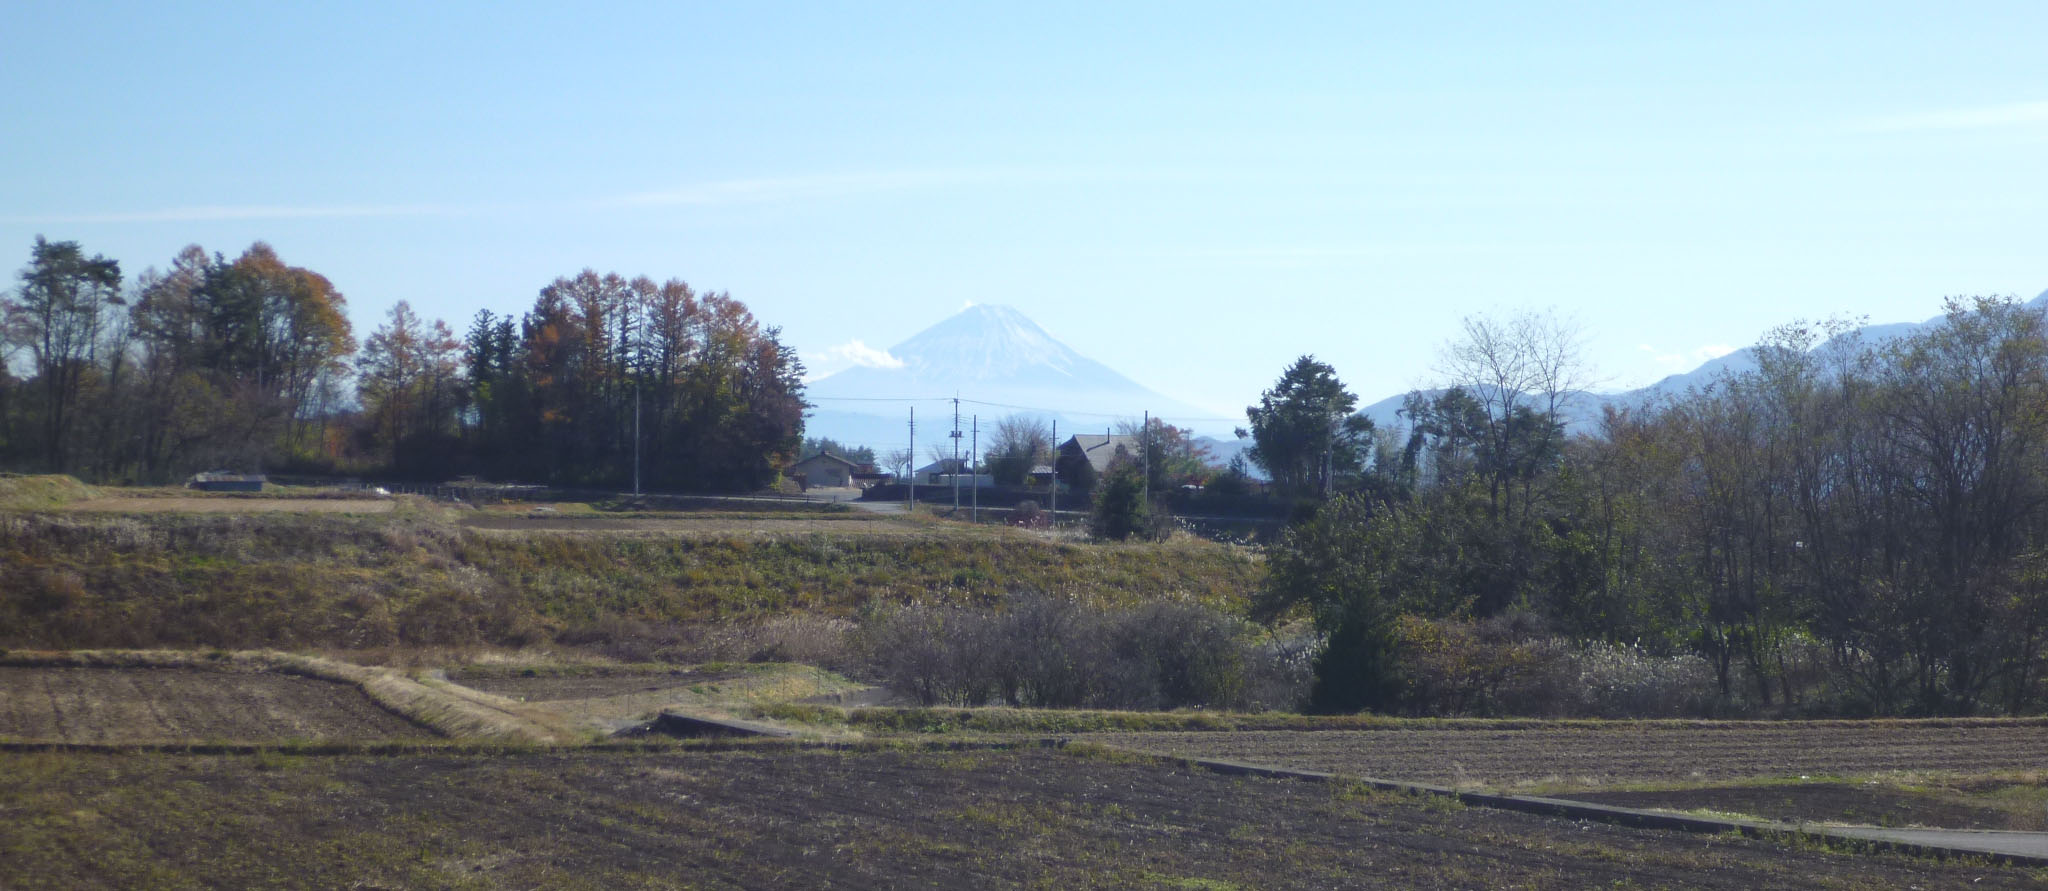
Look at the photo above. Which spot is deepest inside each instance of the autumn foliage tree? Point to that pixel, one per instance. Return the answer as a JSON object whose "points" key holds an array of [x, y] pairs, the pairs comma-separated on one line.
{"points": [[214, 363], [715, 397], [61, 313], [410, 383], [1019, 443], [245, 364]]}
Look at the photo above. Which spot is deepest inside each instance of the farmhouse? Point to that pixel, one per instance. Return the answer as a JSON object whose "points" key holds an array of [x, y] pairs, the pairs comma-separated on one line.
{"points": [[824, 469], [943, 471], [1100, 449]]}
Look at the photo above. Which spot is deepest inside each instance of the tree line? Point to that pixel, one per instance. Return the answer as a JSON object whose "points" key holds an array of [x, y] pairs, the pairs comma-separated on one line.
{"points": [[1846, 528], [252, 364]]}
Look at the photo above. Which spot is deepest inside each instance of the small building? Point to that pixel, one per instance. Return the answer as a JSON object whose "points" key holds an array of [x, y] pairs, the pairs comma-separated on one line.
{"points": [[223, 481], [869, 475], [1039, 475], [825, 470], [945, 470], [1101, 449]]}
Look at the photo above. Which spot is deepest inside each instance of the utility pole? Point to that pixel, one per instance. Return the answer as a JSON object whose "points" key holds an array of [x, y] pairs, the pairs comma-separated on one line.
{"points": [[911, 465], [636, 439], [974, 455], [956, 454], [1145, 454], [1329, 444], [1055, 472]]}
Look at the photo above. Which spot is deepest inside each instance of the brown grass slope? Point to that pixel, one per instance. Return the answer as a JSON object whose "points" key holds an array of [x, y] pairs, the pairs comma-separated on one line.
{"points": [[415, 577]]}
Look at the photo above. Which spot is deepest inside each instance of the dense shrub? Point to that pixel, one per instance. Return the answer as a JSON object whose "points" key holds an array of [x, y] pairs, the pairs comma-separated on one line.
{"points": [[1495, 667], [1624, 681], [1510, 665], [1052, 652], [1028, 515]]}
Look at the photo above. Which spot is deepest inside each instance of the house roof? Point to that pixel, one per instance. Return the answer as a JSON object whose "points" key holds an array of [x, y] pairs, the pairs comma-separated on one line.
{"points": [[945, 465], [822, 457], [224, 476], [1101, 448]]}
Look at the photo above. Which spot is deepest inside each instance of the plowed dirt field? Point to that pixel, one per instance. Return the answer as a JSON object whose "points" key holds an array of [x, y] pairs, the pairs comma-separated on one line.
{"points": [[144, 705], [793, 818], [1597, 755]]}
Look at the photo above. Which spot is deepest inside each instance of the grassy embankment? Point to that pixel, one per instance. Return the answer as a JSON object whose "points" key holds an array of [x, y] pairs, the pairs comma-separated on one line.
{"points": [[417, 576]]}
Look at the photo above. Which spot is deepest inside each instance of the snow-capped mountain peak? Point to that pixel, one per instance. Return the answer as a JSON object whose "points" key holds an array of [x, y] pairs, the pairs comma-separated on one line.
{"points": [[995, 358], [986, 343]]}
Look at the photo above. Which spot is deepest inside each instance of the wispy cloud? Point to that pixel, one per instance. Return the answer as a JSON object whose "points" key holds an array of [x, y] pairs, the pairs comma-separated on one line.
{"points": [[823, 186], [220, 212], [2011, 115], [760, 190]]}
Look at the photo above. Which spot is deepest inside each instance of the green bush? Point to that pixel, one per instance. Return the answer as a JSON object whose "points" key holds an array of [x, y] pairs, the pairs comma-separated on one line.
{"points": [[1120, 509]]}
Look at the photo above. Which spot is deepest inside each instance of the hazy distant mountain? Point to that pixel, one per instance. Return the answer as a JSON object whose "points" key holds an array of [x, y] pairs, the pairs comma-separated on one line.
{"points": [[1584, 410], [999, 363]]}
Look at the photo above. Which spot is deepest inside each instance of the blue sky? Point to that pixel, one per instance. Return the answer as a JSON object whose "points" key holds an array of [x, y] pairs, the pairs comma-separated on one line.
{"points": [[1194, 194]]}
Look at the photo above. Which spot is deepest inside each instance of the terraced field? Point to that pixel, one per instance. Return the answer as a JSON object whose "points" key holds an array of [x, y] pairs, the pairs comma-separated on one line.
{"points": [[148, 705], [229, 505], [782, 817], [1595, 754]]}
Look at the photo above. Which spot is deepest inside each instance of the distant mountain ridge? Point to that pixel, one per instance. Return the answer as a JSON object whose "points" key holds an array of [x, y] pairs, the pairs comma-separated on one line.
{"points": [[1583, 410]]}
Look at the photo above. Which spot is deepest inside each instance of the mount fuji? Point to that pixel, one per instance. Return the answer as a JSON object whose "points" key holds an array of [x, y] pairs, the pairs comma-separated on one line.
{"points": [[997, 362]]}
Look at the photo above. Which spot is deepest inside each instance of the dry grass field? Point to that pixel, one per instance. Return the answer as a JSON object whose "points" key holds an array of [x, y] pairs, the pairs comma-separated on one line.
{"points": [[230, 505], [248, 573], [712, 524]]}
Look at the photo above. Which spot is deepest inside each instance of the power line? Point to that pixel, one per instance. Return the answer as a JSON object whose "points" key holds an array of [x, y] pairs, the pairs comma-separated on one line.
{"points": [[1015, 407]]}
